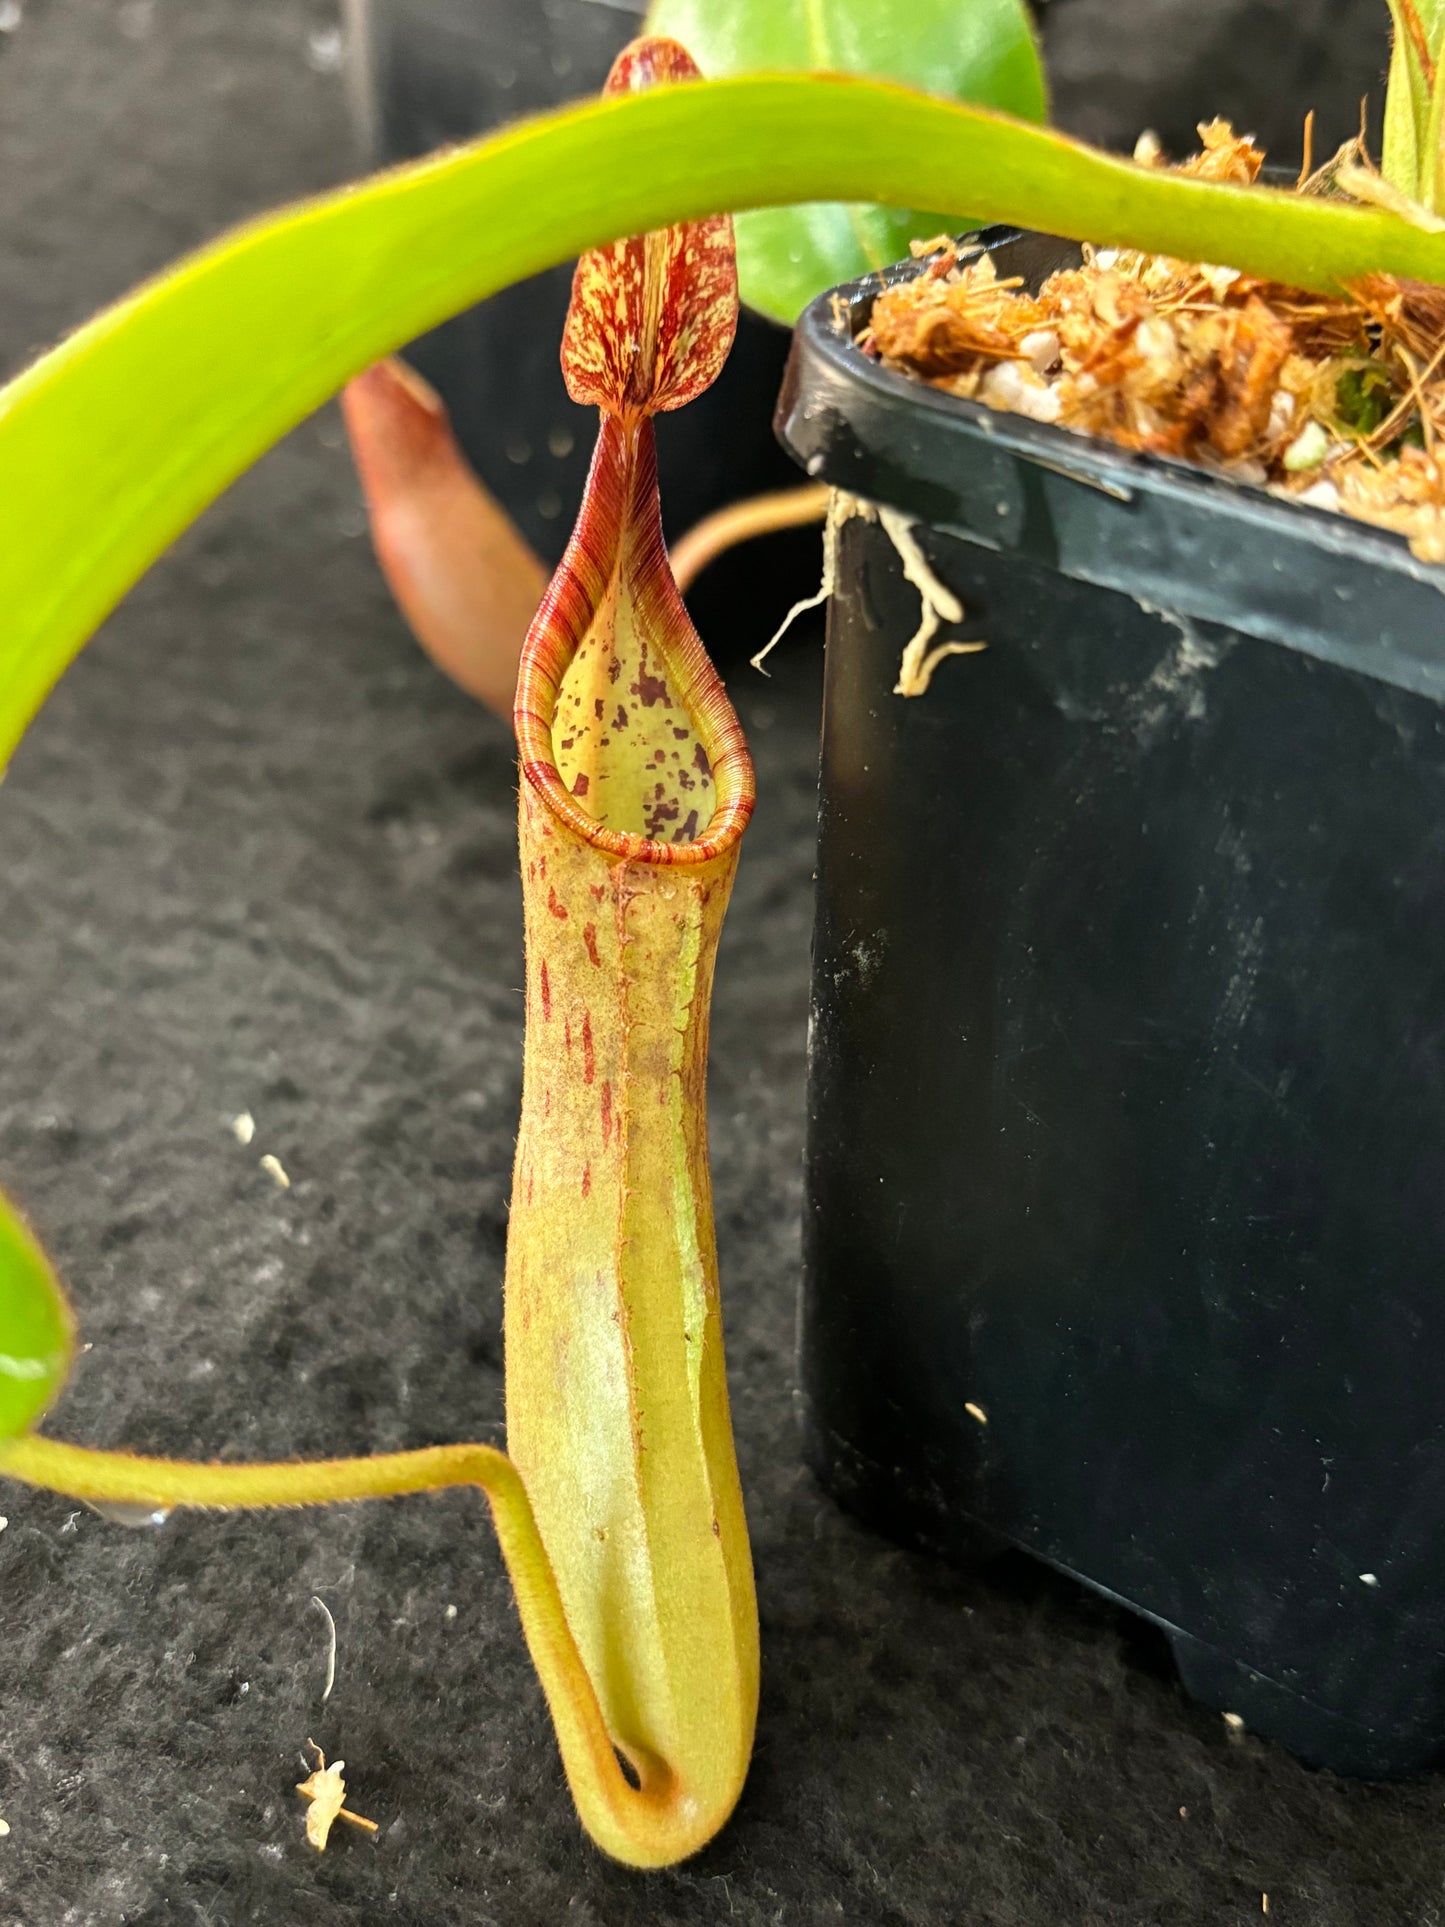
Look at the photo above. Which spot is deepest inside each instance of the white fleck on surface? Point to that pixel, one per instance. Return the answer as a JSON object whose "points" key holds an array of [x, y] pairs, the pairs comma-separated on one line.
{"points": [[275, 1169], [867, 954], [1176, 685], [3, 1522], [325, 50], [1368, 1579], [325, 1611], [4, 1829], [244, 1126], [11, 14], [451, 1612], [1235, 1722], [976, 1411]]}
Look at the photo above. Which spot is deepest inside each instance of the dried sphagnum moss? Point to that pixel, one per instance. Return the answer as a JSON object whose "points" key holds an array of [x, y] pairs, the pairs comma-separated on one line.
{"points": [[1338, 402]]}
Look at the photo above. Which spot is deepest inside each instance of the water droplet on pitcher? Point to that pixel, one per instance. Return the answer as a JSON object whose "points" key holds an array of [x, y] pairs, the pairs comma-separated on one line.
{"points": [[119, 1513]]}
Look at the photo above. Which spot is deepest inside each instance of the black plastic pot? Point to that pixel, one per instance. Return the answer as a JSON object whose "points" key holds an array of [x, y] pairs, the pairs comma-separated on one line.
{"points": [[435, 71], [1125, 1234]]}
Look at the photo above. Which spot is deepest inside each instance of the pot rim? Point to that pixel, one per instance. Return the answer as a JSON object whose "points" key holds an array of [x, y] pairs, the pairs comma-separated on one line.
{"points": [[1180, 539], [1032, 437]]}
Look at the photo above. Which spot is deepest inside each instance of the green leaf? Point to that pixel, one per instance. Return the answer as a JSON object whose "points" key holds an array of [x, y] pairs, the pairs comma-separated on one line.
{"points": [[116, 440], [982, 51], [36, 1334]]}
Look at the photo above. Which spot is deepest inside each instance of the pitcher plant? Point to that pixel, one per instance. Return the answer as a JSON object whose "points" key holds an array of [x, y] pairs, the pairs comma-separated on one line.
{"points": [[618, 1508]]}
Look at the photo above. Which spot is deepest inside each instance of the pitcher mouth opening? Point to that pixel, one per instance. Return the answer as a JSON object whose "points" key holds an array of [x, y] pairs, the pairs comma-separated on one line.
{"points": [[624, 729], [732, 808]]}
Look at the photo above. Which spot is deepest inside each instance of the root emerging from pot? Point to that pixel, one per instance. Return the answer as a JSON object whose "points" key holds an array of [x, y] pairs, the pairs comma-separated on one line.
{"points": [[937, 603]]}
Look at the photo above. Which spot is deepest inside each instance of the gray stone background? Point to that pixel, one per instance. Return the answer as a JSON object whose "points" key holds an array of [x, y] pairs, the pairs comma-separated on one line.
{"points": [[258, 856]]}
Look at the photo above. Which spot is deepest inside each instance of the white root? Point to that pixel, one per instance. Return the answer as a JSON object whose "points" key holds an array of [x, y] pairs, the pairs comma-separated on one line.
{"points": [[938, 603], [842, 507]]}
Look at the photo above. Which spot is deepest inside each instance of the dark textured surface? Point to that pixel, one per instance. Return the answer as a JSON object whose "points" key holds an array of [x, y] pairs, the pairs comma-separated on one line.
{"points": [[258, 857], [1122, 65]]}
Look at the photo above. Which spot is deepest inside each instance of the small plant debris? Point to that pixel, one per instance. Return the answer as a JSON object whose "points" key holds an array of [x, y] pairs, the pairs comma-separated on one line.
{"points": [[326, 1790], [276, 1171], [325, 1612], [1336, 401]]}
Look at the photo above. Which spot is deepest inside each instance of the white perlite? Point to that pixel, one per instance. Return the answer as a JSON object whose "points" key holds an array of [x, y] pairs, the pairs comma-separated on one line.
{"points": [[938, 604]]}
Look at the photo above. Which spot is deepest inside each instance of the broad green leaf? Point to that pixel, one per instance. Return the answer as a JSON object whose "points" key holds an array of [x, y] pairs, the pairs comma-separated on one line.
{"points": [[116, 440], [35, 1328], [981, 51]]}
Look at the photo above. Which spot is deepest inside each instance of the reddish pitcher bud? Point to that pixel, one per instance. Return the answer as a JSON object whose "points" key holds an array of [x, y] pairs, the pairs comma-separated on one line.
{"points": [[652, 318]]}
